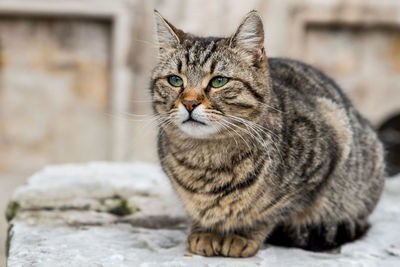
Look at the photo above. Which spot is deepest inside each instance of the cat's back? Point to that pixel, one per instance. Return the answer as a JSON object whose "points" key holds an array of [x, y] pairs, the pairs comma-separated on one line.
{"points": [[303, 90], [304, 81], [320, 117], [306, 92]]}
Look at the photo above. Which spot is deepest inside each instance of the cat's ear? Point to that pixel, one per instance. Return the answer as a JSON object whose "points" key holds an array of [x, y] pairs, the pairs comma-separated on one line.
{"points": [[249, 36], [167, 35]]}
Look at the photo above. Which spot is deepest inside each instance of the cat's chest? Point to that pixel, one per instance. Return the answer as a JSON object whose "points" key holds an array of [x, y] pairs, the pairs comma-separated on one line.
{"points": [[214, 158], [208, 190], [217, 155], [207, 170], [197, 178]]}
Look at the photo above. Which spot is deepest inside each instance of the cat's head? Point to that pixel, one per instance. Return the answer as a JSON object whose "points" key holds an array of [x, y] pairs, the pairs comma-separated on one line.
{"points": [[205, 86]]}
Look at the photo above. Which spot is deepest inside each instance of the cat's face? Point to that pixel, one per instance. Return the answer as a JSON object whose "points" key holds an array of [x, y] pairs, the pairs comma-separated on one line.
{"points": [[206, 86]]}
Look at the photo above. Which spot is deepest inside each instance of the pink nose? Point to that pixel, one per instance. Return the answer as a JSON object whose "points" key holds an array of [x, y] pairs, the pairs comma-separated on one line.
{"points": [[190, 104]]}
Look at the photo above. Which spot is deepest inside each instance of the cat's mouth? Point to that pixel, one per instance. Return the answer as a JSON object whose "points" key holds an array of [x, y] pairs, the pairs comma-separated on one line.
{"points": [[191, 120], [196, 123]]}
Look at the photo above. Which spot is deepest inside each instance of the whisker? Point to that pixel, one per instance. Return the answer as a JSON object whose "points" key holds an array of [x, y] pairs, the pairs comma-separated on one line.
{"points": [[252, 123], [254, 131], [226, 128], [140, 101], [258, 139], [226, 123], [258, 128], [271, 107], [167, 118], [129, 116]]}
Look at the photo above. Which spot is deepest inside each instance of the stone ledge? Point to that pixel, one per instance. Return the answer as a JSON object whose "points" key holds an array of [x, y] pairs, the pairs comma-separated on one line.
{"points": [[113, 214]]}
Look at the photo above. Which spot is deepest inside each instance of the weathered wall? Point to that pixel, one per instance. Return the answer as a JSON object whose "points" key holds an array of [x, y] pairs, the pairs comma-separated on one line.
{"points": [[54, 91], [54, 97]]}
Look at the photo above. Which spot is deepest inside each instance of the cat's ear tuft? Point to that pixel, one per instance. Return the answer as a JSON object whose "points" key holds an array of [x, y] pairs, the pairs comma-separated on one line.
{"points": [[167, 34], [249, 36]]}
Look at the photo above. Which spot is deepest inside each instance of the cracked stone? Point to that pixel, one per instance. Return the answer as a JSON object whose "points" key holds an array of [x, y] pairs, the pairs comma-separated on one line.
{"points": [[113, 214]]}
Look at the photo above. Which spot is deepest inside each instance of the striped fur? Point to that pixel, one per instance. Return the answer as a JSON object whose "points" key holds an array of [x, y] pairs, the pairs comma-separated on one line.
{"points": [[280, 152]]}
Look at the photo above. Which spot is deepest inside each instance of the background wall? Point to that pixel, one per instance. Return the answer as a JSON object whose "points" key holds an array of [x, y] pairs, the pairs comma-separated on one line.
{"points": [[74, 75]]}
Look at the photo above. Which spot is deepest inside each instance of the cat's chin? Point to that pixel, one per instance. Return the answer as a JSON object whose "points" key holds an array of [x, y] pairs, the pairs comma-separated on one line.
{"points": [[198, 130]]}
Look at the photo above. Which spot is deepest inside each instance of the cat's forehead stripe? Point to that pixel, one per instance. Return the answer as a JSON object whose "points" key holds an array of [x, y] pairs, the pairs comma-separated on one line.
{"points": [[208, 52], [212, 66], [187, 56], [179, 65], [193, 50], [199, 52]]}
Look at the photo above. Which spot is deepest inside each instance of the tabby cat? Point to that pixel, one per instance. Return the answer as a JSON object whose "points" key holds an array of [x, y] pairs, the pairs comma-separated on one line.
{"points": [[260, 149]]}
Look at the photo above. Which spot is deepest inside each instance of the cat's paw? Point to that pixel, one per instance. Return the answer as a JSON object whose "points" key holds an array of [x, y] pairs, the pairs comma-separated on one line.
{"points": [[238, 246], [206, 244]]}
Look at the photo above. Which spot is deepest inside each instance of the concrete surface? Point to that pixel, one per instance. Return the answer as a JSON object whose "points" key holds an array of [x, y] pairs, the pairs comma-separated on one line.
{"points": [[109, 214]]}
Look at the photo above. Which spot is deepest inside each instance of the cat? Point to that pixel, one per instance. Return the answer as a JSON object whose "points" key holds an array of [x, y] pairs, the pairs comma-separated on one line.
{"points": [[260, 149]]}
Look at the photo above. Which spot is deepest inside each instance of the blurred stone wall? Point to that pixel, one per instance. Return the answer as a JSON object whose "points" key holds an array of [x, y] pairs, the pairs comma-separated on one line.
{"points": [[54, 91], [57, 84]]}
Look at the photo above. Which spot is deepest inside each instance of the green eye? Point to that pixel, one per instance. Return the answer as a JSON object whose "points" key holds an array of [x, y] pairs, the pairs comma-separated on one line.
{"points": [[175, 81], [218, 82]]}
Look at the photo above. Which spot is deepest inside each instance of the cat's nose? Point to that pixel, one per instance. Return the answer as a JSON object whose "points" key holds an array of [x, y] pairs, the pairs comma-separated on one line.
{"points": [[190, 104]]}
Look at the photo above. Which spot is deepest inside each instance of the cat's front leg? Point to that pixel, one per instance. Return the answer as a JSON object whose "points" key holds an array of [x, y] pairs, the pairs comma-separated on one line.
{"points": [[244, 243], [204, 243], [214, 244], [234, 245], [229, 245]]}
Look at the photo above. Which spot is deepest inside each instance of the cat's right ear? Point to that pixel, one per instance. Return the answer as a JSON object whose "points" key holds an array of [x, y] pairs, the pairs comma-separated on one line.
{"points": [[249, 36], [167, 35]]}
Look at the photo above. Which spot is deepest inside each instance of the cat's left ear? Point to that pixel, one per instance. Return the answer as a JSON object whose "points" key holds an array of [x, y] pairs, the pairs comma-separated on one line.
{"points": [[249, 36], [167, 35]]}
